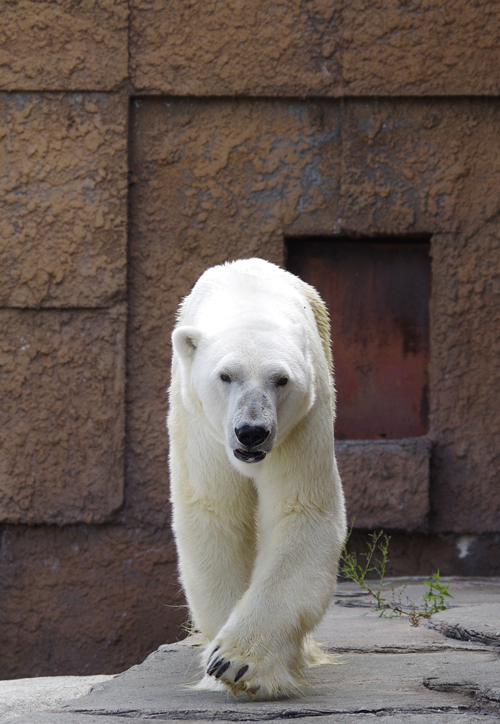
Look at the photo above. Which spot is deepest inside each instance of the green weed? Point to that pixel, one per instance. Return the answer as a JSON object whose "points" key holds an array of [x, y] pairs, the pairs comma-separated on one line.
{"points": [[375, 561]]}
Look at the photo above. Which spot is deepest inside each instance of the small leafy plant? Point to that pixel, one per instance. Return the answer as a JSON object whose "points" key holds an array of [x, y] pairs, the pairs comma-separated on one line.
{"points": [[375, 561], [434, 599]]}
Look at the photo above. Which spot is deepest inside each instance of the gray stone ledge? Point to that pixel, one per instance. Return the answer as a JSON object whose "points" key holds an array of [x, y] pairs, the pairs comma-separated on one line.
{"points": [[20, 696]]}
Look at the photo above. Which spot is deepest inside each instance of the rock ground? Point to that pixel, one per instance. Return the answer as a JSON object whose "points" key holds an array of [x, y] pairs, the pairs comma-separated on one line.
{"points": [[445, 670]]}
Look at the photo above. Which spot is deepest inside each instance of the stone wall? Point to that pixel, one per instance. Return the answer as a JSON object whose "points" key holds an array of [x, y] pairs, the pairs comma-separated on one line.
{"points": [[228, 127]]}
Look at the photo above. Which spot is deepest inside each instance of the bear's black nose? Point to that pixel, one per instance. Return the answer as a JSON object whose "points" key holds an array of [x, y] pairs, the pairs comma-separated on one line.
{"points": [[251, 435]]}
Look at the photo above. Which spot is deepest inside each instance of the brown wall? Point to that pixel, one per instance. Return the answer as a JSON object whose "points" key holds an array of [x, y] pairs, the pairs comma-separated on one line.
{"points": [[229, 127]]}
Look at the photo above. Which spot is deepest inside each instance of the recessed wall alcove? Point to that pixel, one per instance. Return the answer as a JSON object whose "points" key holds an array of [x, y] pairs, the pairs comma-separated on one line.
{"points": [[377, 291]]}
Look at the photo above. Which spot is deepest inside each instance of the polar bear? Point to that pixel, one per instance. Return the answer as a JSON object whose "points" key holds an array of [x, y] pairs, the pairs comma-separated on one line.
{"points": [[258, 509]]}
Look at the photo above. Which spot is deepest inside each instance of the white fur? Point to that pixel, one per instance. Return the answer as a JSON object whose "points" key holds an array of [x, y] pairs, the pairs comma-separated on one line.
{"points": [[258, 542]]}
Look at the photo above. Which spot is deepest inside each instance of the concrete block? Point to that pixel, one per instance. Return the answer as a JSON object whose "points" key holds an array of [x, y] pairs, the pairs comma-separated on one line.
{"points": [[419, 166], [454, 715], [465, 378], [62, 415], [63, 200], [353, 616], [233, 48], [386, 482], [477, 680], [435, 47], [63, 45], [85, 600]]}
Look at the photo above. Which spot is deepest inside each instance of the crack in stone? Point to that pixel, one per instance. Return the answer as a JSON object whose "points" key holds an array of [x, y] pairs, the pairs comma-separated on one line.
{"points": [[471, 691], [455, 631], [432, 649], [221, 715]]}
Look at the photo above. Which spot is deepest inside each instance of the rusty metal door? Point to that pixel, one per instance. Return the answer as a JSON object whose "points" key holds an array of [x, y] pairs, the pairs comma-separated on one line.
{"points": [[377, 292]]}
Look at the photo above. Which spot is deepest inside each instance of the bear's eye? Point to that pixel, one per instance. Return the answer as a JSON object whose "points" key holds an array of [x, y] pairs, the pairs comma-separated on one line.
{"points": [[282, 382], [225, 378]]}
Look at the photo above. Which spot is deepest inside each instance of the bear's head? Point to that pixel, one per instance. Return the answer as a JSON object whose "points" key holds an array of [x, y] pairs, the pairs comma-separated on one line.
{"points": [[249, 385]]}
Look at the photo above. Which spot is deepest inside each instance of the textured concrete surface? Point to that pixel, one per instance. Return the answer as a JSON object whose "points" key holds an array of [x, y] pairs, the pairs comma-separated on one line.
{"points": [[62, 376], [452, 715], [63, 201], [435, 47], [63, 45], [386, 481], [464, 309], [85, 599], [420, 165], [385, 669], [227, 48]]}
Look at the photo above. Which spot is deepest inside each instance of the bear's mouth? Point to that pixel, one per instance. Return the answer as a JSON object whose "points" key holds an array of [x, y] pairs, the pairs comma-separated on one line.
{"points": [[249, 457]]}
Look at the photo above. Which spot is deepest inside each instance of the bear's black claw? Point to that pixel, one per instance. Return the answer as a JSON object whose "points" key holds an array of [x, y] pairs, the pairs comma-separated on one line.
{"points": [[240, 673], [222, 669], [211, 657], [214, 666]]}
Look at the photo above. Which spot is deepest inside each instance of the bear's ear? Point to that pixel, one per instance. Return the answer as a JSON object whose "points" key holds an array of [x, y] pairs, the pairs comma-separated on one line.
{"points": [[185, 340]]}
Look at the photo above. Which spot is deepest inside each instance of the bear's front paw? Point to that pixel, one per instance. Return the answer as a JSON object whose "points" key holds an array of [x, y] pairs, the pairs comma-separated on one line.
{"points": [[255, 669]]}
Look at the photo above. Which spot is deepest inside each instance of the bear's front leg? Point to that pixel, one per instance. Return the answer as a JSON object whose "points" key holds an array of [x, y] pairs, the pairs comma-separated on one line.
{"points": [[216, 553], [214, 526], [263, 648]]}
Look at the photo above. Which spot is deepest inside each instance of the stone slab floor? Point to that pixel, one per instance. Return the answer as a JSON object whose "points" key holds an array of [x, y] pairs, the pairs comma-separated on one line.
{"points": [[445, 670]]}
